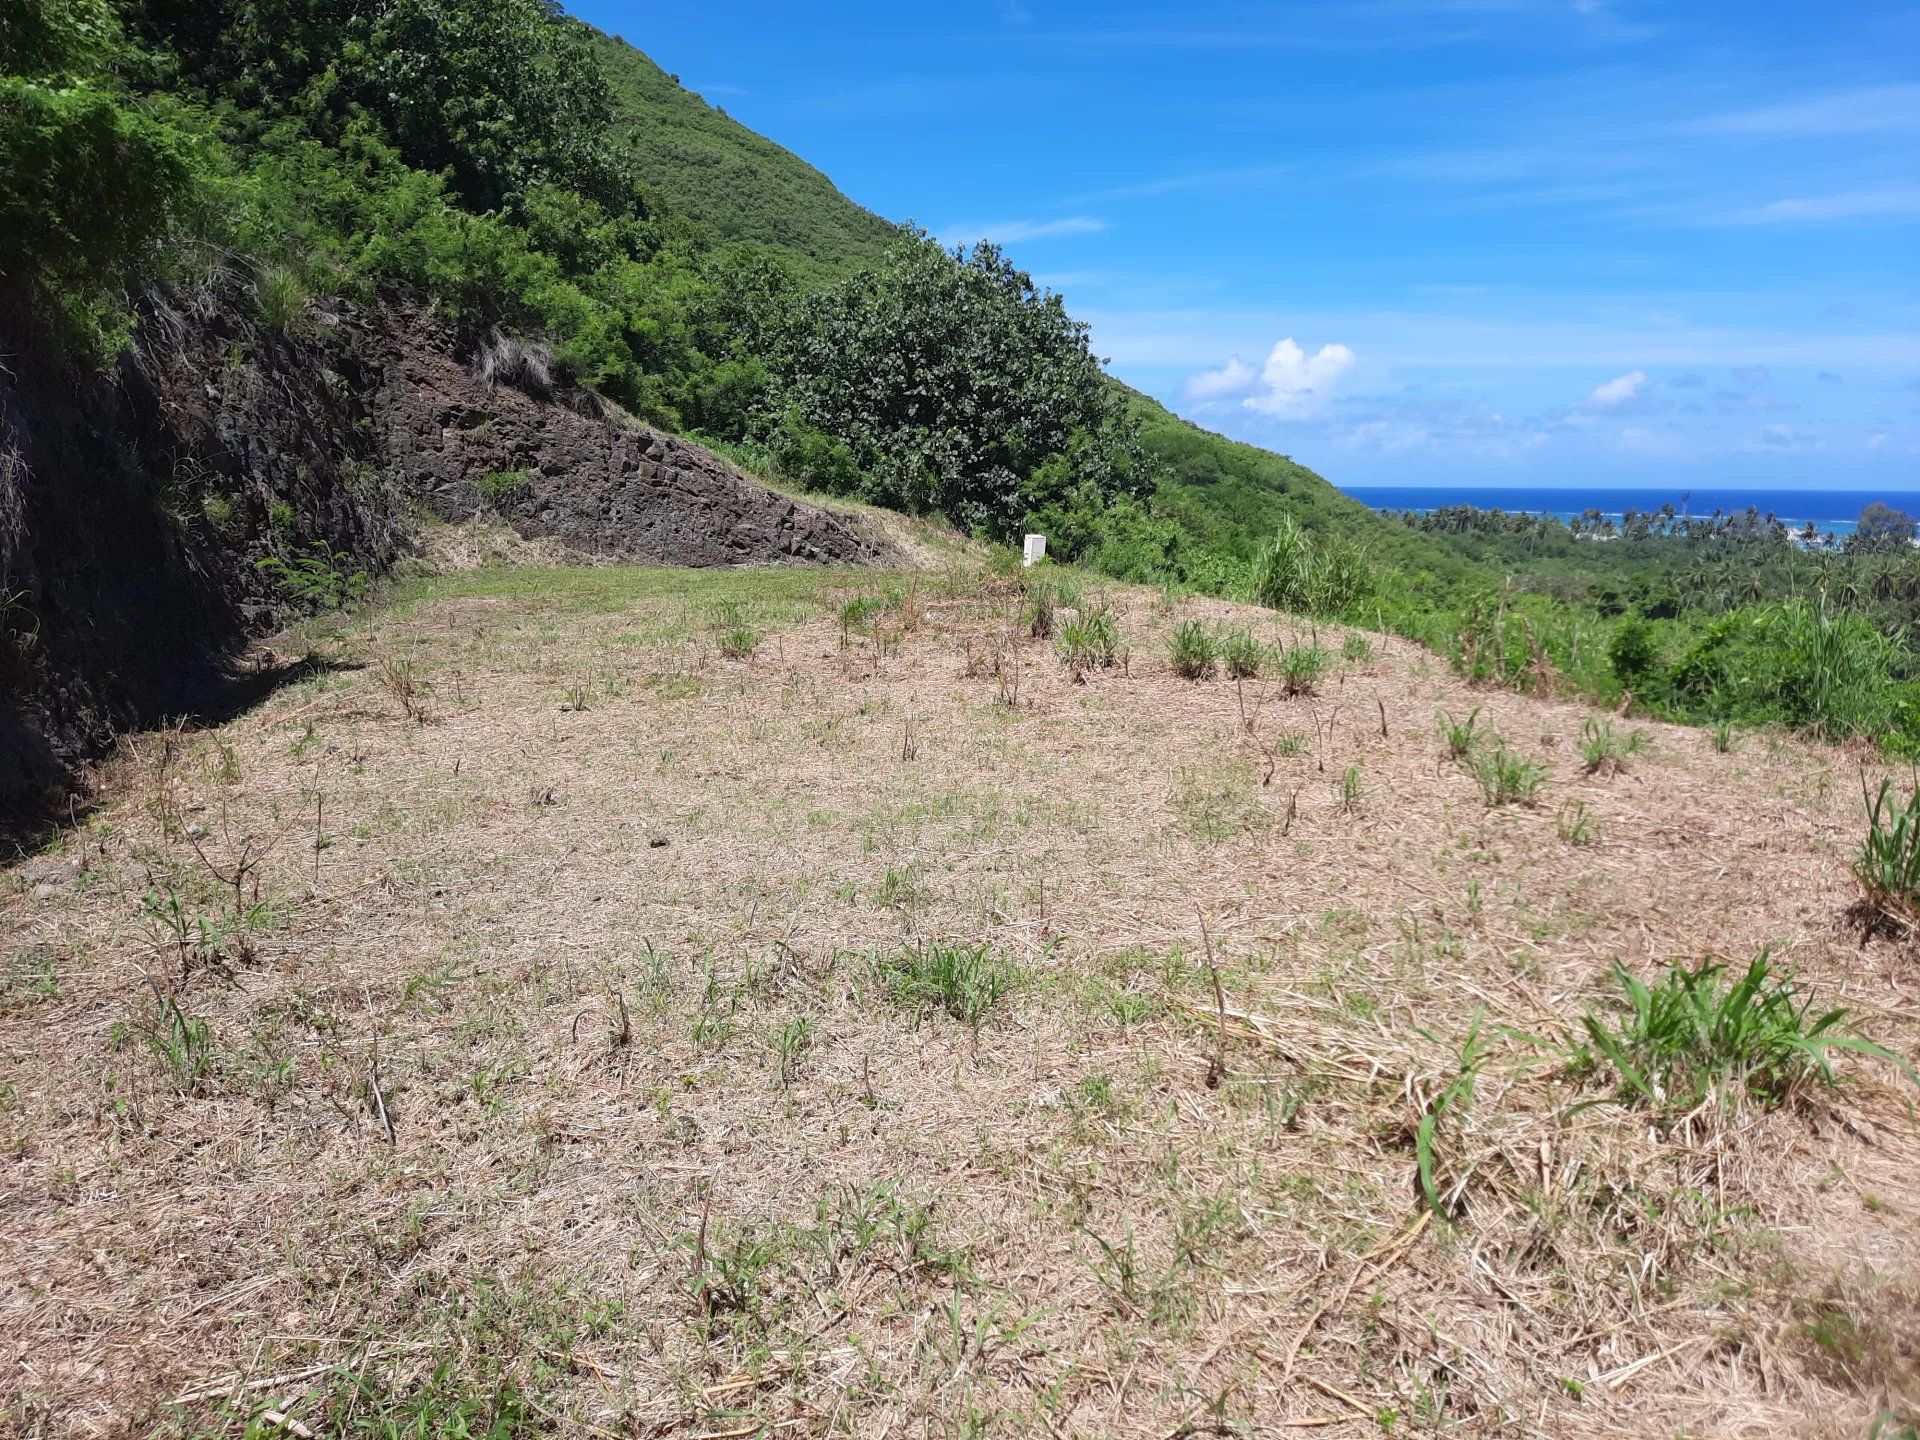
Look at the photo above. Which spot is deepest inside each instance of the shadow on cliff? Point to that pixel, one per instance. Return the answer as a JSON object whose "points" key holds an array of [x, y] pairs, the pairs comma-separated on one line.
{"points": [[204, 695]]}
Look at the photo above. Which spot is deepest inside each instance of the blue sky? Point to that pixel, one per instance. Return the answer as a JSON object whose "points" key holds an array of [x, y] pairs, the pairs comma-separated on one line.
{"points": [[1527, 242]]}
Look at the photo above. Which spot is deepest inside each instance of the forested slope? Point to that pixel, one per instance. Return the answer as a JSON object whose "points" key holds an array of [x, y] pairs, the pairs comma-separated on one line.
{"points": [[738, 184]]}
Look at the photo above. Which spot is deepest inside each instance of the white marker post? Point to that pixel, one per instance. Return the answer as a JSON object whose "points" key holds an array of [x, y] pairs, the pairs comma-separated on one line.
{"points": [[1035, 551]]}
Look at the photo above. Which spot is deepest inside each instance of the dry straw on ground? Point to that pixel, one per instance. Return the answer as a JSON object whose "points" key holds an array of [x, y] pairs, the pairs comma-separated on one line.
{"points": [[539, 1018]]}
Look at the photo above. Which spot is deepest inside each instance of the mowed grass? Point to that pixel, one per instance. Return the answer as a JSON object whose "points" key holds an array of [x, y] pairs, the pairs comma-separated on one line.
{"points": [[579, 590], [558, 1015]]}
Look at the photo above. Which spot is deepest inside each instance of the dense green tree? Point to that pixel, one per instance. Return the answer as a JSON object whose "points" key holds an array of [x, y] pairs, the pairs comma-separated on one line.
{"points": [[1881, 528], [958, 387], [501, 96], [90, 180]]}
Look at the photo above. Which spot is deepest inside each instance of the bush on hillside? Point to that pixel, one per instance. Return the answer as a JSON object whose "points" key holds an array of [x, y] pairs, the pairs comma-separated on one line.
{"points": [[90, 181], [958, 387], [1309, 574]]}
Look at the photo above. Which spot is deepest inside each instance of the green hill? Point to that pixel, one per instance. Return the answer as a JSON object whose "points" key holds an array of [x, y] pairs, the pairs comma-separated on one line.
{"points": [[1224, 495], [740, 185]]}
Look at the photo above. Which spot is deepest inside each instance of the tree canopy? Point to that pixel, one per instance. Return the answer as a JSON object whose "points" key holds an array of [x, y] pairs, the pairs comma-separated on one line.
{"points": [[956, 387]]}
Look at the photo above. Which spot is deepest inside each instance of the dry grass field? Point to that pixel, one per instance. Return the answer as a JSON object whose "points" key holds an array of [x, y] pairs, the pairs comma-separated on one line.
{"points": [[602, 1002]]}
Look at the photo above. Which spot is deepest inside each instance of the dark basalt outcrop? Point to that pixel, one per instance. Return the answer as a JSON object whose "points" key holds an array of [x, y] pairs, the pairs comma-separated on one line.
{"points": [[554, 460], [157, 516]]}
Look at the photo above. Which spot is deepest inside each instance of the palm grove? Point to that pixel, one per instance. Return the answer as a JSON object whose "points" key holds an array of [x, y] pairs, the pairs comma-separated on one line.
{"points": [[526, 173]]}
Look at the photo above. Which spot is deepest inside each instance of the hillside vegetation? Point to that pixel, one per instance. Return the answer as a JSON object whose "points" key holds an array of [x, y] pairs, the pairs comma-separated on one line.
{"points": [[736, 184], [529, 174]]}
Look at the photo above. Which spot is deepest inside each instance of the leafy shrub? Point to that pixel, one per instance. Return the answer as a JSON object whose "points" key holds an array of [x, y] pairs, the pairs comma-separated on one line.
{"points": [[93, 184], [1193, 650], [812, 458], [957, 387], [319, 580], [502, 95], [1633, 653], [504, 488], [1695, 1033]]}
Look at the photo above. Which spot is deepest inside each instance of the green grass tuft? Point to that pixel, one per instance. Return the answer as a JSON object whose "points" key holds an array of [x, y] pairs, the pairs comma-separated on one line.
{"points": [[1888, 862], [1507, 778], [1193, 650], [1089, 639], [1461, 737], [930, 976], [1605, 752], [1243, 656], [1698, 1032], [1303, 667]]}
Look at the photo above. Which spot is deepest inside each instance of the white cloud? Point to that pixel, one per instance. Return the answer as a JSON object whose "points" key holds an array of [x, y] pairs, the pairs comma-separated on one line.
{"points": [[1236, 377], [1552, 332], [1617, 391], [1012, 232], [1243, 179], [1786, 437], [1291, 384], [1643, 440]]}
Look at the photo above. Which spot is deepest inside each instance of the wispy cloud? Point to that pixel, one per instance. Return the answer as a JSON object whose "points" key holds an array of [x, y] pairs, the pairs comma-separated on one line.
{"points": [[1365, 25], [1013, 232], [1245, 177], [1844, 112], [1890, 202], [1528, 333]]}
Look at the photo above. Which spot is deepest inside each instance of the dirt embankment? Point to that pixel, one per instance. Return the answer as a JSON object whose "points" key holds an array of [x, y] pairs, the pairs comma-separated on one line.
{"points": [[224, 474]]}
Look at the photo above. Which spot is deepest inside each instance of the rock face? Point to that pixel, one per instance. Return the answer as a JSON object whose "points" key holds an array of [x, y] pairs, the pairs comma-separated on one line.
{"points": [[138, 503], [554, 461], [224, 475]]}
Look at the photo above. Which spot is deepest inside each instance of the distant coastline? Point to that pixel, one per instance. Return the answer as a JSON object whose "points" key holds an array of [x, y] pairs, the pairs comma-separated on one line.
{"points": [[1833, 512]]}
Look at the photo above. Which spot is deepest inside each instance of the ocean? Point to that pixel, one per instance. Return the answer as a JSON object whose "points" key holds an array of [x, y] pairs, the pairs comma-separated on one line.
{"points": [[1831, 511]]}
